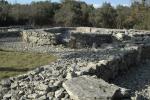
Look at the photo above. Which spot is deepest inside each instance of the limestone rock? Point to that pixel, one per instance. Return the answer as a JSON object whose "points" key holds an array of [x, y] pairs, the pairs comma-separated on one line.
{"points": [[88, 88], [59, 93], [42, 87], [7, 96], [14, 85], [32, 96], [6, 82], [42, 98]]}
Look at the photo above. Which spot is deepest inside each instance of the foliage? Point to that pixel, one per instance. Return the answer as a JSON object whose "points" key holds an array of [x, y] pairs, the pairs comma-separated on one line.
{"points": [[75, 13]]}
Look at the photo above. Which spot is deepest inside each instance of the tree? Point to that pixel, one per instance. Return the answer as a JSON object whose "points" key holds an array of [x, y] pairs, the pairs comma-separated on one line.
{"points": [[69, 14], [123, 14], [42, 13], [4, 13], [106, 16]]}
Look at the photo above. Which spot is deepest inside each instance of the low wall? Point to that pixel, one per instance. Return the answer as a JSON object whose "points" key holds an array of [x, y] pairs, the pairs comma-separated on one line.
{"points": [[118, 63], [79, 40], [81, 37], [108, 69]]}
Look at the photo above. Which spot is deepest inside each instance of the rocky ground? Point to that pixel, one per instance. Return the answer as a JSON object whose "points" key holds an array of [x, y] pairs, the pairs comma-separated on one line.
{"points": [[46, 82]]}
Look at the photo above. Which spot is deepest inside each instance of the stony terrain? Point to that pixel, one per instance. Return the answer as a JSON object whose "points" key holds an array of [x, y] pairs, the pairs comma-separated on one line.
{"points": [[104, 73]]}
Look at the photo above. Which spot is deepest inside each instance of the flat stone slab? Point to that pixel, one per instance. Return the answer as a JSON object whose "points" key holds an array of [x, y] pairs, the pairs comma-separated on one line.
{"points": [[88, 88]]}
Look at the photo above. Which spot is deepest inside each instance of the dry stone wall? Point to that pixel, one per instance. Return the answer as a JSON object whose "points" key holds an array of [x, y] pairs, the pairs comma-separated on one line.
{"points": [[83, 37], [39, 37], [109, 67]]}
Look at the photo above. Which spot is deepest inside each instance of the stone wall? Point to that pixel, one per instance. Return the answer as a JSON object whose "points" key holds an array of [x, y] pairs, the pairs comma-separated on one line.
{"points": [[115, 64], [38, 37], [79, 40], [82, 37]]}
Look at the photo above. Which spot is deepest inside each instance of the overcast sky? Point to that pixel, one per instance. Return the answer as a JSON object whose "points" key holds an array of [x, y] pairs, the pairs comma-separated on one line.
{"points": [[96, 3]]}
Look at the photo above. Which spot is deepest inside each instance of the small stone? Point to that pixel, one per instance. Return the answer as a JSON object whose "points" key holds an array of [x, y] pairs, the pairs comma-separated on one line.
{"points": [[7, 96], [21, 92], [42, 87], [91, 64], [32, 72], [41, 92], [1, 88], [52, 81], [102, 62], [13, 98], [69, 76], [58, 83], [6, 82], [53, 88], [23, 98], [41, 76], [22, 77], [79, 73], [56, 99], [42, 98], [66, 97], [50, 98], [59, 93], [32, 96], [14, 85], [21, 84], [50, 94]]}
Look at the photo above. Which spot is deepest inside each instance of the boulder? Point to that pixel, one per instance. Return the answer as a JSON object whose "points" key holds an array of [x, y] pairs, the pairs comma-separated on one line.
{"points": [[89, 88]]}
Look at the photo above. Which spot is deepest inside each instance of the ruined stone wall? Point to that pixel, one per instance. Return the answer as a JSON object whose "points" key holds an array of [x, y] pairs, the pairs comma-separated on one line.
{"points": [[79, 40], [115, 64], [49, 36], [38, 37], [81, 37]]}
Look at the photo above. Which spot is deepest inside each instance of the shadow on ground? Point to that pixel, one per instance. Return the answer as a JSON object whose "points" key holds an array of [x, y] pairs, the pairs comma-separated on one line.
{"points": [[13, 69], [137, 79]]}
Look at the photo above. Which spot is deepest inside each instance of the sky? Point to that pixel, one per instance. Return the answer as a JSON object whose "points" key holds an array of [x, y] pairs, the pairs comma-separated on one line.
{"points": [[96, 3]]}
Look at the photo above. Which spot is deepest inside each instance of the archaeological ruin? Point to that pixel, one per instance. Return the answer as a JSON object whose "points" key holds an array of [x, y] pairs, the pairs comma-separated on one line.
{"points": [[93, 64]]}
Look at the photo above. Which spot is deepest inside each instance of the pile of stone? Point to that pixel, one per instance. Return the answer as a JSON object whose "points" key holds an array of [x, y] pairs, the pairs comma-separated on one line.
{"points": [[55, 81]]}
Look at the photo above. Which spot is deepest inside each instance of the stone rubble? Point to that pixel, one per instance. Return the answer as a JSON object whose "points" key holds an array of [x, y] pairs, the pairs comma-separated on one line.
{"points": [[78, 72], [46, 81]]}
